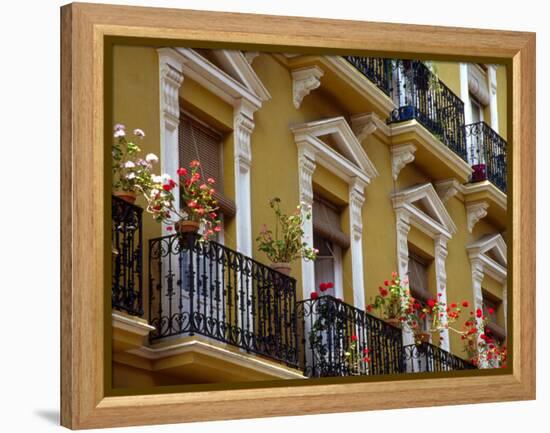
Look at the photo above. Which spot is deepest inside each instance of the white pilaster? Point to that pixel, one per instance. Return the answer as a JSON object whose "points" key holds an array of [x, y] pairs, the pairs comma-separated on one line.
{"points": [[243, 125], [403, 227], [478, 273], [170, 80], [465, 93], [356, 201], [492, 84], [440, 250], [306, 162]]}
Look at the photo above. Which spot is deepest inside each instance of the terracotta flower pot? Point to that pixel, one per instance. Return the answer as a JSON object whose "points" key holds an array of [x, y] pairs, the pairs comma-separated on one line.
{"points": [[127, 196], [184, 226], [421, 337], [283, 268]]}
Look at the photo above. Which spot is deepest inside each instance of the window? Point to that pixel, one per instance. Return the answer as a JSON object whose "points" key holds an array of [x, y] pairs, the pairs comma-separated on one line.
{"points": [[477, 109], [329, 239], [418, 282], [198, 141], [495, 328]]}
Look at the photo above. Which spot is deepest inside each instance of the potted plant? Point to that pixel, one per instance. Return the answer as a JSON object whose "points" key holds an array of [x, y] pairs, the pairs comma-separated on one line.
{"points": [[285, 244], [129, 170], [198, 207], [394, 302]]}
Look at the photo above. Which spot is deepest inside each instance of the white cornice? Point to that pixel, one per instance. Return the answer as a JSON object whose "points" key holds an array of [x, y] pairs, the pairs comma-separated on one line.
{"points": [[134, 325]]}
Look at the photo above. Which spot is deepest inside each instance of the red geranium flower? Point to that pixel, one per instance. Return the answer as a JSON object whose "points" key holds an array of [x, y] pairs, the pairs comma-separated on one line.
{"points": [[314, 295], [453, 305], [330, 285], [386, 283], [182, 171], [323, 287], [491, 310], [354, 337], [383, 292], [431, 303], [465, 304], [479, 313], [369, 308]]}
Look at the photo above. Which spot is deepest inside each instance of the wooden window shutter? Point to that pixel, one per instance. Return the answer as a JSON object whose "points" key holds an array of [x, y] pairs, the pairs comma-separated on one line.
{"points": [[197, 141], [326, 223]]}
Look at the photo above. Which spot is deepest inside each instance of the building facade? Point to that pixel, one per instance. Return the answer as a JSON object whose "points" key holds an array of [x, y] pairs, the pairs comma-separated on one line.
{"points": [[403, 163]]}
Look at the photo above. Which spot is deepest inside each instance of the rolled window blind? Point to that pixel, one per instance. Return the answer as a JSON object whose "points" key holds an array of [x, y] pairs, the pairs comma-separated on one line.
{"points": [[197, 141], [326, 223]]}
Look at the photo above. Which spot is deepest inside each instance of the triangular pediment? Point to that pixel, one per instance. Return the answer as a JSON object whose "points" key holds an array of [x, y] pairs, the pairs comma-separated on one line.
{"points": [[334, 136], [493, 246], [422, 200], [234, 64]]}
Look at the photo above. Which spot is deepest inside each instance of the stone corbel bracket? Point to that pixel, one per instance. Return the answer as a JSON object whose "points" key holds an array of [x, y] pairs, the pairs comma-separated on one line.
{"points": [[446, 189], [401, 155], [304, 80], [474, 212]]}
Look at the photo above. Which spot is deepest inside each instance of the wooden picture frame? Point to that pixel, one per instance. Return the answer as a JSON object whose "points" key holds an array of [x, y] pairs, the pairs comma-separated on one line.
{"points": [[84, 400]]}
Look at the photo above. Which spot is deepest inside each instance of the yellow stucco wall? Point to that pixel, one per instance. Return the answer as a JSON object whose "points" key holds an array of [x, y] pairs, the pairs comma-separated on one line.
{"points": [[275, 165]]}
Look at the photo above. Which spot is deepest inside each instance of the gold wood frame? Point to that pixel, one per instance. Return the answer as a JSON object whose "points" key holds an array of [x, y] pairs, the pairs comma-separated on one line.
{"points": [[85, 402]]}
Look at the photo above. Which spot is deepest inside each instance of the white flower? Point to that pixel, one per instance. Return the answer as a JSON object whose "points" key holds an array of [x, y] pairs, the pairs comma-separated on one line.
{"points": [[131, 175], [151, 157], [139, 133], [129, 164], [156, 179], [154, 192], [166, 178], [119, 133]]}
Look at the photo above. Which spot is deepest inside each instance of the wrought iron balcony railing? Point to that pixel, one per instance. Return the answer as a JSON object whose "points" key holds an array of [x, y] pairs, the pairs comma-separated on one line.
{"points": [[419, 94], [376, 69], [208, 289], [487, 154], [334, 336], [126, 236], [426, 357]]}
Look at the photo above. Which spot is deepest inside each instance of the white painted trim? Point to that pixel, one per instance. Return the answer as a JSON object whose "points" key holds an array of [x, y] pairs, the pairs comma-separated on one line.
{"points": [[236, 64], [305, 80], [131, 324], [401, 155], [493, 100], [439, 230], [357, 172], [475, 211], [198, 346], [465, 93]]}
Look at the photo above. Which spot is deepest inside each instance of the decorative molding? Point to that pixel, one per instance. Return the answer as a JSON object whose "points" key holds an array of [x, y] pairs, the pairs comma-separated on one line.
{"points": [[236, 65], [475, 211], [306, 167], [366, 124], [438, 223], [446, 189], [401, 155], [304, 80], [356, 201], [250, 56], [171, 78], [134, 325], [243, 126], [350, 161], [440, 250]]}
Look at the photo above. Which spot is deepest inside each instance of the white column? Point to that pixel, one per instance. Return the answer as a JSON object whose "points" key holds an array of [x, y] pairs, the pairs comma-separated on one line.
{"points": [[465, 93], [403, 227], [306, 161], [440, 251], [170, 80], [492, 84], [243, 125], [356, 201]]}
